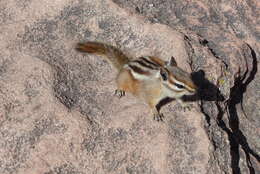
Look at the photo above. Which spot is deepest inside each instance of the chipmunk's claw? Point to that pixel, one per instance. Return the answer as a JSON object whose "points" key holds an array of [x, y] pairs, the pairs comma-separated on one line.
{"points": [[158, 117], [185, 106], [119, 93]]}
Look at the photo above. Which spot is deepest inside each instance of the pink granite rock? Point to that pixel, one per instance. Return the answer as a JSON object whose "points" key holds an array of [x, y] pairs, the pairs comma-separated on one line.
{"points": [[58, 114]]}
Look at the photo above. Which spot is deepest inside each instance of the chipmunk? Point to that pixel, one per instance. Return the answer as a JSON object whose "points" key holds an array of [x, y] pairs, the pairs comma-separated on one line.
{"points": [[148, 78]]}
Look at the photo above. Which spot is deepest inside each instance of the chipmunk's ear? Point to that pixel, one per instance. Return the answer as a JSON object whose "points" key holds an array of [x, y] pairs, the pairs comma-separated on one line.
{"points": [[164, 74], [171, 62]]}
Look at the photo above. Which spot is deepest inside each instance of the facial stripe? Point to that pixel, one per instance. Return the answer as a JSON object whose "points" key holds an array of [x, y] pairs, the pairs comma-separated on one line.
{"points": [[179, 86], [187, 87], [176, 88], [176, 83], [191, 90], [188, 83], [174, 80], [172, 89]]}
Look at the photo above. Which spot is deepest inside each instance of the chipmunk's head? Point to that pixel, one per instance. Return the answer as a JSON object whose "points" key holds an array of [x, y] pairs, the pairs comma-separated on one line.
{"points": [[176, 80]]}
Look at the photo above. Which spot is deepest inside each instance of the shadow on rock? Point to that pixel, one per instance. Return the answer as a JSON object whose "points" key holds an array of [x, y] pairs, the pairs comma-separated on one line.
{"points": [[207, 91], [236, 137]]}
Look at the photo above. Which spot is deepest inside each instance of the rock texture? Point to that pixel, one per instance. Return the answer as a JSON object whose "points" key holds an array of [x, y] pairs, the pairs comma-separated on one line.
{"points": [[58, 114]]}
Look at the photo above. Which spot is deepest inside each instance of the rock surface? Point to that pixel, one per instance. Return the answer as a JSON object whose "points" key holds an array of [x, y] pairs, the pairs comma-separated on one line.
{"points": [[58, 114]]}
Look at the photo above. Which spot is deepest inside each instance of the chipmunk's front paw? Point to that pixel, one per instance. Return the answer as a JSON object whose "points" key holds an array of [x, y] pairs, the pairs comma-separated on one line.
{"points": [[119, 93], [158, 117], [187, 108]]}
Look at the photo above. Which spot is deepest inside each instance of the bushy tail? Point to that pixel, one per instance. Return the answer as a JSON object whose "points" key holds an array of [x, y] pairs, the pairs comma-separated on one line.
{"points": [[114, 55]]}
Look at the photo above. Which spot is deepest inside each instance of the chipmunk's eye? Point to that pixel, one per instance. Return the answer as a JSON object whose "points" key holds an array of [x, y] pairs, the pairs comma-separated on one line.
{"points": [[179, 86], [164, 74]]}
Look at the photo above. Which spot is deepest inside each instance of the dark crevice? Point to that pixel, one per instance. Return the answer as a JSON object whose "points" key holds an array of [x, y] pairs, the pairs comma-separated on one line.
{"points": [[207, 117], [234, 146], [205, 43], [236, 137], [190, 51], [209, 92]]}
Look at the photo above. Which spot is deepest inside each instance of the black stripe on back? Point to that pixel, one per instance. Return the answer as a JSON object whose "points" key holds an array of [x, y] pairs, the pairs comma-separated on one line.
{"points": [[137, 69], [150, 62], [144, 64]]}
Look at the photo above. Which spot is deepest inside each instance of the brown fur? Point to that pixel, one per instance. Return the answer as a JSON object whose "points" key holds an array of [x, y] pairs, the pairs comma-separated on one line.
{"points": [[114, 55], [127, 83], [158, 60]]}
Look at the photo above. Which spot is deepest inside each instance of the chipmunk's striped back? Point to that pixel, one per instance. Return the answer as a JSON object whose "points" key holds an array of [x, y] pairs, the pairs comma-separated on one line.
{"points": [[144, 68]]}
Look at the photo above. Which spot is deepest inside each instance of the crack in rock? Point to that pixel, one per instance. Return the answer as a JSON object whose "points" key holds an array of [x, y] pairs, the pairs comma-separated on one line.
{"points": [[236, 137]]}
